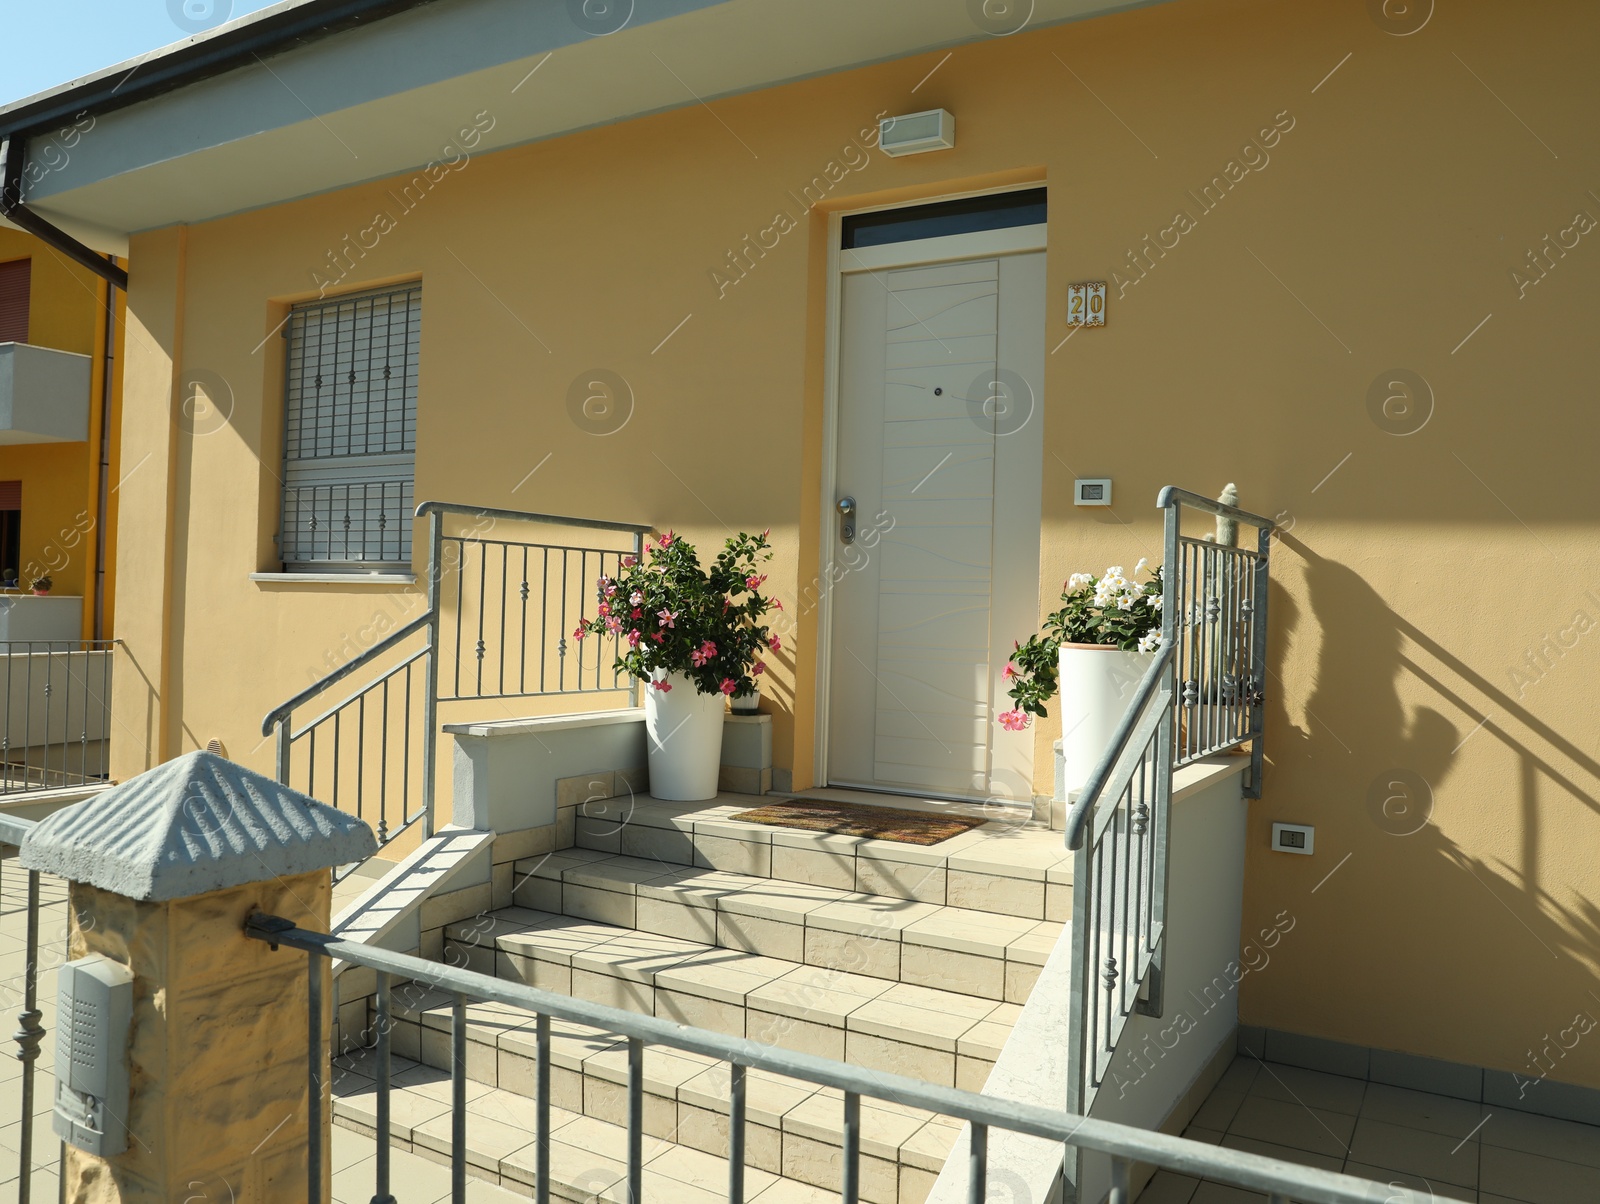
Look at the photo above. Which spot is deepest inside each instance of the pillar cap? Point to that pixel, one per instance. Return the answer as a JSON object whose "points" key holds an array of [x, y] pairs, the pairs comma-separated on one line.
{"points": [[196, 824]]}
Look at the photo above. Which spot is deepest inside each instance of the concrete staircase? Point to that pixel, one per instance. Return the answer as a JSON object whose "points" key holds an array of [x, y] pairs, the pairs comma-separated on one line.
{"points": [[898, 957]]}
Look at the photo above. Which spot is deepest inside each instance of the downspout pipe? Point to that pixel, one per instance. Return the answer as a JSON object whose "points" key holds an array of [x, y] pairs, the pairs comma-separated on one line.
{"points": [[12, 153], [103, 487]]}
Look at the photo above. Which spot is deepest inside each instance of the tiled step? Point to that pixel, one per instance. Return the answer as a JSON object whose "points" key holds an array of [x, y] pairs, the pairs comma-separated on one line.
{"points": [[935, 1035], [789, 1157], [1002, 867], [990, 955], [793, 1128]]}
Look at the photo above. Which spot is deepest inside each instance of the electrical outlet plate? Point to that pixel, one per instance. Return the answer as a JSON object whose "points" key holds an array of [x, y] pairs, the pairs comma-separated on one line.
{"points": [[1294, 838]]}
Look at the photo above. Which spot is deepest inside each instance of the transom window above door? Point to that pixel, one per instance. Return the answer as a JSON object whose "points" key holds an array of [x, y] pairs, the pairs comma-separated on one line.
{"points": [[350, 431], [939, 219]]}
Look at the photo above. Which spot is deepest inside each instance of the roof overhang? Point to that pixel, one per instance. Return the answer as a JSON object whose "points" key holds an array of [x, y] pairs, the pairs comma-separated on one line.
{"points": [[312, 95]]}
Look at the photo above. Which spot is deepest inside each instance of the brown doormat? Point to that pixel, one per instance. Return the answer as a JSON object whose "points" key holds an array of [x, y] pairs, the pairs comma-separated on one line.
{"points": [[851, 819]]}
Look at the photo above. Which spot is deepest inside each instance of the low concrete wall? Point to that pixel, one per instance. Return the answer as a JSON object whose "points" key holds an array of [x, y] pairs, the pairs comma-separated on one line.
{"points": [[1165, 1065]]}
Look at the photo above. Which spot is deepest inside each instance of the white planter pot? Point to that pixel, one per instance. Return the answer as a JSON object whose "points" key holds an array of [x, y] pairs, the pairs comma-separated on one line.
{"points": [[683, 730], [747, 704], [1097, 686]]}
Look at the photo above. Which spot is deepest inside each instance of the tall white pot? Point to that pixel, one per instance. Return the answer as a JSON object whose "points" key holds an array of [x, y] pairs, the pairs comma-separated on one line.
{"points": [[1098, 682], [684, 733]]}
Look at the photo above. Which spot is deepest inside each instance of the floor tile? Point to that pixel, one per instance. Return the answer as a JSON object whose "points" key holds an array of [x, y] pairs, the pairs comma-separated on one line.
{"points": [[1427, 1189], [1420, 1110], [1313, 1088], [1295, 1126], [1543, 1135], [1168, 1188], [1434, 1156], [1537, 1180], [1217, 1193], [1268, 1149]]}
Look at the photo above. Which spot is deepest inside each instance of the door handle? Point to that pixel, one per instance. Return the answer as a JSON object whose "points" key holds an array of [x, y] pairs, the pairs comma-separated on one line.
{"points": [[847, 520]]}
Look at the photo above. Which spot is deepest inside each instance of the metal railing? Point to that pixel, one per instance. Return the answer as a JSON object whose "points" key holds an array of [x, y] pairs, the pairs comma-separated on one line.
{"points": [[30, 1032], [497, 623], [56, 725], [1201, 695], [1283, 1181], [1215, 618]]}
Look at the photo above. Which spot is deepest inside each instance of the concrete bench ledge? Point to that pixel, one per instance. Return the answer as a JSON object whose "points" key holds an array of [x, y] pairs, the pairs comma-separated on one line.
{"points": [[546, 723]]}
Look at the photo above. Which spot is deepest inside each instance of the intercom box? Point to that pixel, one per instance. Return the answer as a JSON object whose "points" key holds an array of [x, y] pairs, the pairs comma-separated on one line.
{"points": [[94, 1012]]}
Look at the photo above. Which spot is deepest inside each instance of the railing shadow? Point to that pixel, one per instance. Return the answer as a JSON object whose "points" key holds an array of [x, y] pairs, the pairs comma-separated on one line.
{"points": [[1363, 745]]}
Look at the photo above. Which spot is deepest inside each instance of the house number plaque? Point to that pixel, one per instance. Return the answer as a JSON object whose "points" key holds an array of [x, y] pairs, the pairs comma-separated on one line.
{"points": [[1086, 304]]}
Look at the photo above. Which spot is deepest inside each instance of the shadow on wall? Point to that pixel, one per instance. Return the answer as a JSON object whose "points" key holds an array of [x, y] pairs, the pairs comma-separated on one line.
{"points": [[1416, 911]]}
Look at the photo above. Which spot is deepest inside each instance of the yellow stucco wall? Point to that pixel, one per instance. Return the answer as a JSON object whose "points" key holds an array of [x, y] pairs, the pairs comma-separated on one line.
{"points": [[60, 482], [1375, 219]]}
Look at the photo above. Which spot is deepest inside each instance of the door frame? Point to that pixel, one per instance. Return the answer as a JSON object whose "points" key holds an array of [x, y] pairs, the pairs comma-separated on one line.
{"points": [[1011, 240]]}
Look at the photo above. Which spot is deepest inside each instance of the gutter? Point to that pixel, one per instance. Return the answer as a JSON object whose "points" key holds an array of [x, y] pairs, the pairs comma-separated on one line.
{"points": [[12, 153], [233, 45]]}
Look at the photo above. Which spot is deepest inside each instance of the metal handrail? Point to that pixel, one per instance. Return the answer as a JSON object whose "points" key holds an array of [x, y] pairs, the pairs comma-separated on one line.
{"points": [[1171, 496], [1214, 600], [428, 622], [1124, 1143], [281, 713], [1149, 685], [524, 516]]}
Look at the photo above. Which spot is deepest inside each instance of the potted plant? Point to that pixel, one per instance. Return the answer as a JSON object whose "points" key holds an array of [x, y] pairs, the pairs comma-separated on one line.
{"points": [[695, 636], [42, 584], [1095, 649]]}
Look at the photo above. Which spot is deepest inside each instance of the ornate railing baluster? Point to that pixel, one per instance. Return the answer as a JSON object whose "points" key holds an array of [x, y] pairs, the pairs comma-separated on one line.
{"points": [[28, 1037]]}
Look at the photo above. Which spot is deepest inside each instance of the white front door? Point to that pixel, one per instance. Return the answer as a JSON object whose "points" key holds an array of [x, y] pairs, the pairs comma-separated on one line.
{"points": [[940, 414]]}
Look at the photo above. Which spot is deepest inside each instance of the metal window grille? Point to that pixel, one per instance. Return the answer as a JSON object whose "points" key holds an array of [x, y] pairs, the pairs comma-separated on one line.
{"points": [[350, 430]]}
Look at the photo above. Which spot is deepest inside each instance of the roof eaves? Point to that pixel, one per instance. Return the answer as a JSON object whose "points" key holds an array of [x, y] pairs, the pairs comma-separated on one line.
{"points": [[236, 44]]}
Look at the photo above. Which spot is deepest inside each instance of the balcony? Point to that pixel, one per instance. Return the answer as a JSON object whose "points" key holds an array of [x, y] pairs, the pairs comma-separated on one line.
{"points": [[44, 395]]}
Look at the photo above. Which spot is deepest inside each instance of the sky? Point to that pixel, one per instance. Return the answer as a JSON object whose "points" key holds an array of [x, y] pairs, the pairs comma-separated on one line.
{"points": [[49, 42]]}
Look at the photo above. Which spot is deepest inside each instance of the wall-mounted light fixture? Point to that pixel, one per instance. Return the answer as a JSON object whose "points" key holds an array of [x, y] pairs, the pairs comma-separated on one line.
{"points": [[913, 133]]}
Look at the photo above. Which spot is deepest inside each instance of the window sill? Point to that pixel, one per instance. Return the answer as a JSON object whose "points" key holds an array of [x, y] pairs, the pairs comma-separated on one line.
{"points": [[334, 578]]}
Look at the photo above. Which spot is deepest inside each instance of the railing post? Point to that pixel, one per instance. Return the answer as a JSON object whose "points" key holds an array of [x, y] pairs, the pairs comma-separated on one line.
{"points": [[430, 697], [636, 694], [164, 872], [1082, 982], [283, 743], [1258, 664]]}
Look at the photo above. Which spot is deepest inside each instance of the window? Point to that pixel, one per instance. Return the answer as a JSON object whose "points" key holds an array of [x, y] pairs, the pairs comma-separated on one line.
{"points": [[350, 431], [14, 286], [965, 215], [11, 534]]}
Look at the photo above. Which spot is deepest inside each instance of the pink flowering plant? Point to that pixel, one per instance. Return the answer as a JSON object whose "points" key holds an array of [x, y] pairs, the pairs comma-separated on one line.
{"points": [[671, 615], [1109, 610]]}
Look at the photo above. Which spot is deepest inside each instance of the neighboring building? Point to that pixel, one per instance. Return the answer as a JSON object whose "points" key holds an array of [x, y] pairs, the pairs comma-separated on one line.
{"points": [[507, 255], [61, 329], [61, 343]]}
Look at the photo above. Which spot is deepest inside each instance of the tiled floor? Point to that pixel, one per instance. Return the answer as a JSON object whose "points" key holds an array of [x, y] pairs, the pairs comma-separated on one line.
{"points": [[411, 1178], [1449, 1149]]}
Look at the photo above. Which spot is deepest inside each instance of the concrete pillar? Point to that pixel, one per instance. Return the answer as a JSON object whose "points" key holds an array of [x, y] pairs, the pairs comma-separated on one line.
{"points": [[163, 871]]}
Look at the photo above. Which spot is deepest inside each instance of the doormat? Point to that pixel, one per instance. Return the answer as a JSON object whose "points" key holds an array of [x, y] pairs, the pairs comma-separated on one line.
{"points": [[850, 819]]}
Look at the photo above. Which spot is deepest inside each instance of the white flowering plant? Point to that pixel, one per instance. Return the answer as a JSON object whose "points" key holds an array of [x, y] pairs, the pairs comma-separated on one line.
{"points": [[1112, 610]]}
